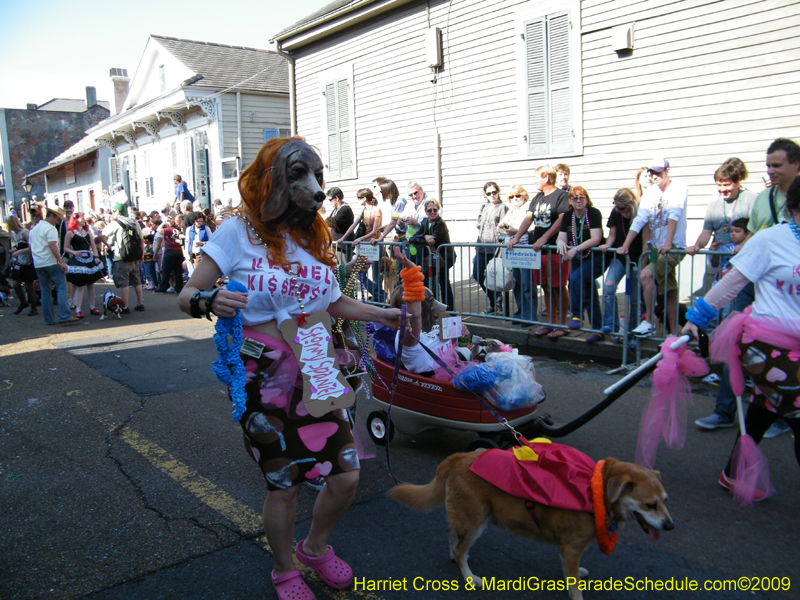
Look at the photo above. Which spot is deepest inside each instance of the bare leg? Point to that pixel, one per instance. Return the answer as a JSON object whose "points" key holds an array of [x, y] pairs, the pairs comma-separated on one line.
{"points": [[139, 297], [332, 502], [672, 311], [123, 293], [646, 277], [278, 515]]}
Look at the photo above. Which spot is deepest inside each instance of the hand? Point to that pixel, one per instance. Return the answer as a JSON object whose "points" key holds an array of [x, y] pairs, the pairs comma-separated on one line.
{"points": [[690, 328], [663, 249], [430, 239], [510, 243], [692, 250], [374, 241], [225, 303], [352, 263], [63, 266], [603, 247], [622, 250], [390, 317], [96, 261], [561, 247], [401, 257], [714, 246], [537, 245]]}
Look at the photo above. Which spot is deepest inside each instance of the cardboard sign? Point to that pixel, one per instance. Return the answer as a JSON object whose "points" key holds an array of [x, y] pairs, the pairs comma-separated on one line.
{"points": [[371, 252], [449, 327], [521, 258], [324, 387]]}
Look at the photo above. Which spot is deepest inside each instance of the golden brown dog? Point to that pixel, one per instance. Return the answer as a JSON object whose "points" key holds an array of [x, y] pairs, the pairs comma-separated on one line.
{"points": [[631, 492]]}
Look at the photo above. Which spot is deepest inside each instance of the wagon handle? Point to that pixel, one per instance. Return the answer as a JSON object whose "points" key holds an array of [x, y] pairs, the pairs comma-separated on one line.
{"points": [[645, 367]]}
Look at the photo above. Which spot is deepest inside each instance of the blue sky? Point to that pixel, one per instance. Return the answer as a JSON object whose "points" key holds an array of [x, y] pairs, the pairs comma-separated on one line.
{"points": [[54, 49]]}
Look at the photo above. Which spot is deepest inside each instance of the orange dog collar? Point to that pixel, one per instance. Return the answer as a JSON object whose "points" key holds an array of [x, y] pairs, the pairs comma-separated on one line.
{"points": [[607, 541]]}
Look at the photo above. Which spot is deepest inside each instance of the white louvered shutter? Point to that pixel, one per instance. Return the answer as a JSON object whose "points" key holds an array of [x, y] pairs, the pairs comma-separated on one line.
{"points": [[333, 131], [537, 129], [558, 62], [343, 113]]}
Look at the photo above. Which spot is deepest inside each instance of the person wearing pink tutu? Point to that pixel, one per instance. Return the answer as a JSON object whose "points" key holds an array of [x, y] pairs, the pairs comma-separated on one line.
{"points": [[763, 342]]}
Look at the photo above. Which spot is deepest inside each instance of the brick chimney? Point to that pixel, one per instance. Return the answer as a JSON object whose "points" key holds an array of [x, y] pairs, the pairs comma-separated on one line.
{"points": [[120, 84], [91, 97]]}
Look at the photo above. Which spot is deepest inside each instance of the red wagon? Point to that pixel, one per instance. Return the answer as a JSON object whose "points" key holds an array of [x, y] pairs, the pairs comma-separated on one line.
{"points": [[423, 403]]}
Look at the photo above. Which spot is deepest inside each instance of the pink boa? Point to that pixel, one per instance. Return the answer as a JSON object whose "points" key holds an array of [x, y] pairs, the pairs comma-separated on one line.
{"points": [[742, 326], [666, 413]]}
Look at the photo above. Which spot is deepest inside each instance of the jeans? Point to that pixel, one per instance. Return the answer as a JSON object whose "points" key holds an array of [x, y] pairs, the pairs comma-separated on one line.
{"points": [[446, 295], [583, 288], [48, 276], [614, 274], [150, 271], [374, 285], [479, 274], [725, 406], [525, 295], [172, 266]]}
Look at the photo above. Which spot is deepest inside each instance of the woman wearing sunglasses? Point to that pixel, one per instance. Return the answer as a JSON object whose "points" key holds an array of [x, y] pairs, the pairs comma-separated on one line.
{"points": [[489, 218], [431, 234]]}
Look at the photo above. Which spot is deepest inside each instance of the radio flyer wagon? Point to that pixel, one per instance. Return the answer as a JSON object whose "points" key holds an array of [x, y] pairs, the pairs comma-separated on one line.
{"points": [[424, 403]]}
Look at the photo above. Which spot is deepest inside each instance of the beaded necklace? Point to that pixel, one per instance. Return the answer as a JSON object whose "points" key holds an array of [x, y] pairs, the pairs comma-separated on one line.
{"points": [[795, 229], [727, 228], [575, 235]]}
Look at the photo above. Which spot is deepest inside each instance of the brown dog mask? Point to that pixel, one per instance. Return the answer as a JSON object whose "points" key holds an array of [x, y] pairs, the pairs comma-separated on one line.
{"points": [[296, 186]]}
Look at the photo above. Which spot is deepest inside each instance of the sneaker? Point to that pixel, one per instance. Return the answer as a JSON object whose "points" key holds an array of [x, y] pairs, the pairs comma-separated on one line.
{"points": [[489, 311], [713, 421], [606, 328], [139, 307], [70, 320], [645, 329], [727, 483], [171, 290], [779, 427], [126, 311]]}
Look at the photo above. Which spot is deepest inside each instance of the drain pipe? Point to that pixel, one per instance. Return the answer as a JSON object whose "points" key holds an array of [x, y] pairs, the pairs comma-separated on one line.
{"points": [[292, 97]]}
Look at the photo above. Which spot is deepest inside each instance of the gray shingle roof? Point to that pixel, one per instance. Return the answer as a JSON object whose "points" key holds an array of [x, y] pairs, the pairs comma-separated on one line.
{"points": [[224, 66], [325, 10], [67, 105]]}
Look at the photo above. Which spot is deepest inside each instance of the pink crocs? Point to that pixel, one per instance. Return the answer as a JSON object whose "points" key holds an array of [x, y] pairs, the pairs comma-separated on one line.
{"points": [[292, 587], [330, 568]]}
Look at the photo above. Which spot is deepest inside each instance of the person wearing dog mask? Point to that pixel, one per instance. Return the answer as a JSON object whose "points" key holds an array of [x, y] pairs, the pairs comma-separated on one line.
{"points": [[279, 248]]}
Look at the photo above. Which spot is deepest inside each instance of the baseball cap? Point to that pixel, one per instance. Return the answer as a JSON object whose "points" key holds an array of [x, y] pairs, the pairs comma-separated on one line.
{"points": [[658, 165], [120, 208]]}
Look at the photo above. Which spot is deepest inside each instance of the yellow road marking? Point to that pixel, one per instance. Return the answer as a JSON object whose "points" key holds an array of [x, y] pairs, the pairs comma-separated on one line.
{"points": [[209, 494]]}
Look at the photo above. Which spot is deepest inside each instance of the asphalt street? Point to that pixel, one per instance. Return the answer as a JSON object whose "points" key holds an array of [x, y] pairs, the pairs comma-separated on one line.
{"points": [[122, 475]]}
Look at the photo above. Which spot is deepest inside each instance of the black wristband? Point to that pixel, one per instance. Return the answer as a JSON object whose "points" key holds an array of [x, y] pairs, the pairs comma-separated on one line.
{"points": [[207, 297]]}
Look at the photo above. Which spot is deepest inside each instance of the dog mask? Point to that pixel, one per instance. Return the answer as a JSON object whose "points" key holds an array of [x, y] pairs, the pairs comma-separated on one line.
{"points": [[296, 186]]}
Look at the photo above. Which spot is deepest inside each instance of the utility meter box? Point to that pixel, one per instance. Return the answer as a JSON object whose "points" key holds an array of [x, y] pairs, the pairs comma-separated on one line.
{"points": [[433, 44]]}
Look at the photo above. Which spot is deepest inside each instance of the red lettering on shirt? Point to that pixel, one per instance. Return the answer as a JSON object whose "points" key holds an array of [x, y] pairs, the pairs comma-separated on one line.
{"points": [[304, 289], [796, 271], [780, 285], [315, 272], [328, 276], [314, 294], [251, 283], [260, 283], [272, 285], [302, 272], [257, 264]]}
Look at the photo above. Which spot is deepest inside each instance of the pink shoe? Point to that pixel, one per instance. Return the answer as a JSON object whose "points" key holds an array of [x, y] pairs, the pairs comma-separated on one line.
{"points": [[292, 587], [330, 568], [79, 314]]}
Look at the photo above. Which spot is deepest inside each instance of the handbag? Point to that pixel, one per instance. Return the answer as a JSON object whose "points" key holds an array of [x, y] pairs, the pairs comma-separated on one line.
{"points": [[498, 277], [361, 230]]}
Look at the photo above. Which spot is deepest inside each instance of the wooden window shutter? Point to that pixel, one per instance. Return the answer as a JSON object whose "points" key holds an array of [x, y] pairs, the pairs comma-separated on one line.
{"points": [[333, 131], [537, 130], [560, 100], [343, 113], [113, 167]]}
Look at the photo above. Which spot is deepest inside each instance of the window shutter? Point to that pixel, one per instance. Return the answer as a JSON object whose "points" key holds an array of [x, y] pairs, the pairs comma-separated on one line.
{"points": [[113, 167], [271, 133], [536, 88], [343, 111], [174, 148], [200, 168], [333, 131], [558, 63]]}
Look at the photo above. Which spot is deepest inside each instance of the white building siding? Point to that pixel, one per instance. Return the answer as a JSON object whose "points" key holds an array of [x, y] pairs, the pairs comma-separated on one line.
{"points": [[706, 80], [259, 112]]}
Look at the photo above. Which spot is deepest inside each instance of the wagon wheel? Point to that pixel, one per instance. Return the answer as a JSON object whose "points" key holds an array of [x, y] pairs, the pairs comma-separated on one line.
{"points": [[482, 443], [379, 428]]}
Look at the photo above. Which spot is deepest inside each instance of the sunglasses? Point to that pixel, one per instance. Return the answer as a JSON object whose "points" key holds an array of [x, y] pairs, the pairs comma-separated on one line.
{"points": [[515, 196], [578, 198], [414, 194], [431, 210], [494, 193]]}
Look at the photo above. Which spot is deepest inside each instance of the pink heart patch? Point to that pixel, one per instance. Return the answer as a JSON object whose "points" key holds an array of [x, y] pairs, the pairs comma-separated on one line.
{"points": [[794, 355], [797, 402], [316, 436], [775, 353], [775, 374], [313, 473], [324, 468]]}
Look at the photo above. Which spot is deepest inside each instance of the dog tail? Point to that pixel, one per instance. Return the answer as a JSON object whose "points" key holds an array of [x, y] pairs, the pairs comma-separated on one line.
{"points": [[429, 496]]}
